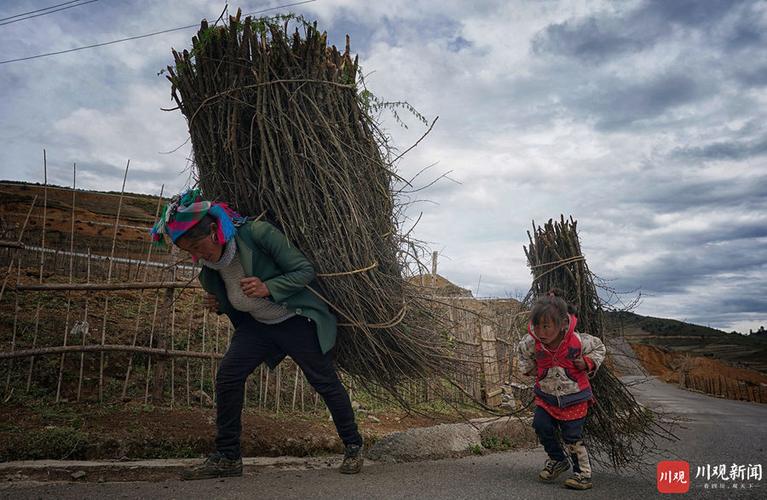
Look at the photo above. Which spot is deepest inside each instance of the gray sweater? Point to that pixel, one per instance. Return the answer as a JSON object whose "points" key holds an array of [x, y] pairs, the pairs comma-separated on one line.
{"points": [[231, 271]]}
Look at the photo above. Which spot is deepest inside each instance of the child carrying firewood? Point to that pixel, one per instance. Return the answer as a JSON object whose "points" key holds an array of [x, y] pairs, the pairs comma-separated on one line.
{"points": [[562, 360]]}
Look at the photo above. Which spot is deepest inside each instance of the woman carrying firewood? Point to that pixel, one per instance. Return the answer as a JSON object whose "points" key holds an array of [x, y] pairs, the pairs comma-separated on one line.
{"points": [[563, 361], [252, 274]]}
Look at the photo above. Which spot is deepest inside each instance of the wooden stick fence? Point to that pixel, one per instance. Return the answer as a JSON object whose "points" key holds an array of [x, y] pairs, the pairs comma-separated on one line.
{"points": [[71, 278], [21, 236], [109, 278], [724, 387], [15, 331], [490, 372], [141, 300], [40, 351], [42, 264], [153, 334], [153, 285], [84, 333]]}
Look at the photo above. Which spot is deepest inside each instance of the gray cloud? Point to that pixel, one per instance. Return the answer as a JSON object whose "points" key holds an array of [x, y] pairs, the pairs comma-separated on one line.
{"points": [[752, 77], [593, 39], [690, 12], [747, 32], [747, 299], [669, 195], [685, 266], [615, 104], [725, 150], [605, 35], [721, 303]]}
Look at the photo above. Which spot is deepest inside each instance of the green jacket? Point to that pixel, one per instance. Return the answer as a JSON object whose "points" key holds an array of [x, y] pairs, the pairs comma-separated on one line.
{"points": [[267, 254]]}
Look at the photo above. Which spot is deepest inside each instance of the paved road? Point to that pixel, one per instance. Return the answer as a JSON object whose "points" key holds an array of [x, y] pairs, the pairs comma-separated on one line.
{"points": [[714, 431]]}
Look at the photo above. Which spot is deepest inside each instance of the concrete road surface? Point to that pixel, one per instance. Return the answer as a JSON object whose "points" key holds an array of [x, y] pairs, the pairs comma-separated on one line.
{"points": [[714, 431]]}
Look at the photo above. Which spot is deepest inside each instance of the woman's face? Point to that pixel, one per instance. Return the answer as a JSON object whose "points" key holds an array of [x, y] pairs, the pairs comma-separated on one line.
{"points": [[548, 330], [203, 248]]}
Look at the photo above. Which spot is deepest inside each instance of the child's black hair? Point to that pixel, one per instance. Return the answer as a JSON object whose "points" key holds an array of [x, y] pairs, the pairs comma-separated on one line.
{"points": [[552, 305], [201, 229]]}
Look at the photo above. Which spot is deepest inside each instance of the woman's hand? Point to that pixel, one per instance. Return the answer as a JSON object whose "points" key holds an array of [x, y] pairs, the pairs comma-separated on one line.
{"points": [[254, 287], [210, 303]]}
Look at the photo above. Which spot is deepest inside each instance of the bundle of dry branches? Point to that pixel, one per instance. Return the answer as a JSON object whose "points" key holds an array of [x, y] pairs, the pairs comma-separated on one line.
{"points": [[618, 430], [280, 127]]}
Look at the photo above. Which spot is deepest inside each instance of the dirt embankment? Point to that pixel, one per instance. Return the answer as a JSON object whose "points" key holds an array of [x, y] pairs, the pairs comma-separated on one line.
{"points": [[88, 431], [704, 374], [94, 218]]}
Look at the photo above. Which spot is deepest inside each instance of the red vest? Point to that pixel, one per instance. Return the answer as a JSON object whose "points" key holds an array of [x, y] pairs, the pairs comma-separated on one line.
{"points": [[563, 356]]}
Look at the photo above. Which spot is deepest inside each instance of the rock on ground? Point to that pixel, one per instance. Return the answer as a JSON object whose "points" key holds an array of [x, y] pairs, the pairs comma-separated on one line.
{"points": [[505, 433], [441, 441]]}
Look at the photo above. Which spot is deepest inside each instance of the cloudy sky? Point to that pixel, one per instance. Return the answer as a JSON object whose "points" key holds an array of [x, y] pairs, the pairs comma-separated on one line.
{"points": [[645, 120]]}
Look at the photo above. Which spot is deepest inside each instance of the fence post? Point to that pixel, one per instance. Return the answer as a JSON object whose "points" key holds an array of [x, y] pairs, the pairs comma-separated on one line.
{"points": [[162, 343]]}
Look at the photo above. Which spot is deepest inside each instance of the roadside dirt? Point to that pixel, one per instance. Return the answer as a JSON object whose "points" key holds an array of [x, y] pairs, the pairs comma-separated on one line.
{"points": [[133, 431]]}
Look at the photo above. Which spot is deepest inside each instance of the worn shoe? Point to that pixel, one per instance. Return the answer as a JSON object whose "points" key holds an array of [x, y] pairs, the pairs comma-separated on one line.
{"points": [[578, 482], [216, 465], [353, 460], [553, 469]]}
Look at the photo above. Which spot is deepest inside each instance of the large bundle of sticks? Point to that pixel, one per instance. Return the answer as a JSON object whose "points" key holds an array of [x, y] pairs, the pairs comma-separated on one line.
{"points": [[281, 128], [618, 430]]}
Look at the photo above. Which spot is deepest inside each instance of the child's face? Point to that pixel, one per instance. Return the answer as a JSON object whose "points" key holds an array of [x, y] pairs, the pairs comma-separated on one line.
{"points": [[548, 330]]}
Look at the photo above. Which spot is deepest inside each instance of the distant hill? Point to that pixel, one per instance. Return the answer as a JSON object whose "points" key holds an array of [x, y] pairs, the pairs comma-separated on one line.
{"points": [[749, 351], [662, 326]]}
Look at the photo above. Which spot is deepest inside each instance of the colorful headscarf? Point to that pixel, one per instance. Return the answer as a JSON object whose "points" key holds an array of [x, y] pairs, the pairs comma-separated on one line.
{"points": [[185, 210]]}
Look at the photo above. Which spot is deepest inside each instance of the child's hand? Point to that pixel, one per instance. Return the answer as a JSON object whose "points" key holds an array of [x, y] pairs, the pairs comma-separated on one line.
{"points": [[581, 364], [254, 287]]}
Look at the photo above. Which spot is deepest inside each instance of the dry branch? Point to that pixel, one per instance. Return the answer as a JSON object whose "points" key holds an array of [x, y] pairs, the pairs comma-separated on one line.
{"points": [[11, 244], [25, 353]]}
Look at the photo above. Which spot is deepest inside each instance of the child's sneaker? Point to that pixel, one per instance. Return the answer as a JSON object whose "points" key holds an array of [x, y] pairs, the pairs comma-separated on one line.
{"points": [[578, 482], [553, 469]]}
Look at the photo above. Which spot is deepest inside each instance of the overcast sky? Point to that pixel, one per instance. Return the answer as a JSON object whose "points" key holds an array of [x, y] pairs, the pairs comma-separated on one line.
{"points": [[645, 120]]}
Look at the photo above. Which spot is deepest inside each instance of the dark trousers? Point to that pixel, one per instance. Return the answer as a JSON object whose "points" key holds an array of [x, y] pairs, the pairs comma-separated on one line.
{"points": [[545, 426], [251, 343]]}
